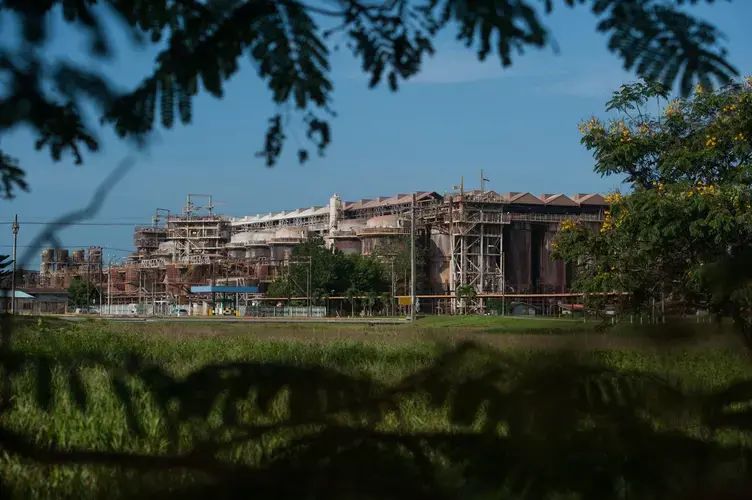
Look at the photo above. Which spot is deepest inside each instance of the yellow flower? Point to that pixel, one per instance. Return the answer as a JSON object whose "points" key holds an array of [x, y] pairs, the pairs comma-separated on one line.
{"points": [[567, 224], [613, 198], [672, 108]]}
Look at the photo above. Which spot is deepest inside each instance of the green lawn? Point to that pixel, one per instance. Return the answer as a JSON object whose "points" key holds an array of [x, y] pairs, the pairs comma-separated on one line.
{"points": [[384, 353]]}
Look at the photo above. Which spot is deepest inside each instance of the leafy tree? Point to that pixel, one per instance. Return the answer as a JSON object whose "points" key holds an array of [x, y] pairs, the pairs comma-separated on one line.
{"points": [[685, 228], [394, 254], [81, 293], [323, 271], [332, 273], [201, 42], [465, 294], [368, 277]]}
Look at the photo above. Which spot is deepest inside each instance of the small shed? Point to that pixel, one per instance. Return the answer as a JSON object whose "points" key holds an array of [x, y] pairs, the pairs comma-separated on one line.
{"points": [[36, 301], [22, 298]]}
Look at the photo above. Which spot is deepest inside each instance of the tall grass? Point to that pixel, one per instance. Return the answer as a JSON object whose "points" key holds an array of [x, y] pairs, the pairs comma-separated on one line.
{"points": [[104, 426]]}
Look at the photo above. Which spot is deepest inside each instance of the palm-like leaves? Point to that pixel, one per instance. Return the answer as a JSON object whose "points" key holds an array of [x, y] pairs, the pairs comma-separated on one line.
{"points": [[205, 42], [552, 425]]}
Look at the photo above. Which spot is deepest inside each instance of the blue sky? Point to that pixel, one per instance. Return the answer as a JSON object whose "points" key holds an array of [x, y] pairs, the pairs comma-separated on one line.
{"points": [[457, 117]]}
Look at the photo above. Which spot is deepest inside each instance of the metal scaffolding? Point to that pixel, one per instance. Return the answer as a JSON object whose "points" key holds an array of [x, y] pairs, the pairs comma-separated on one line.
{"points": [[476, 235]]}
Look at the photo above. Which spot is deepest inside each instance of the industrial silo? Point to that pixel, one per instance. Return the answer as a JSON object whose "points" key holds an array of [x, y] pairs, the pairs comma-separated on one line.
{"points": [[79, 257], [95, 256], [62, 258], [48, 261]]}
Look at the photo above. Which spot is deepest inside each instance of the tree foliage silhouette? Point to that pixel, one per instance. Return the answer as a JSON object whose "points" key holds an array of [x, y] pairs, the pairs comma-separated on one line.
{"points": [[5, 263], [82, 294], [550, 426], [202, 42]]}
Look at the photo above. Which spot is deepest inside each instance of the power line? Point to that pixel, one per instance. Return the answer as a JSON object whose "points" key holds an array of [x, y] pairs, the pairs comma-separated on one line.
{"points": [[53, 223], [53, 217], [69, 247]]}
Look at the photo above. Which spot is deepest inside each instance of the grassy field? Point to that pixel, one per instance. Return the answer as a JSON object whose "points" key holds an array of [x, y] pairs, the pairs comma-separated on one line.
{"points": [[694, 357]]}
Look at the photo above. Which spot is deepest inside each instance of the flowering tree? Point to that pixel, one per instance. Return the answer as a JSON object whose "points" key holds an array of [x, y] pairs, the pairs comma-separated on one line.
{"points": [[685, 226]]}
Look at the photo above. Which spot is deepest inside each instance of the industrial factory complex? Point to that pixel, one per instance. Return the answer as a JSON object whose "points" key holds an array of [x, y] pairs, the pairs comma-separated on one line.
{"points": [[496, 243]]}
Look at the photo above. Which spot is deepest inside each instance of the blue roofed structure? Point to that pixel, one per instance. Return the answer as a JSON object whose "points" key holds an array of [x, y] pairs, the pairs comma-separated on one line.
{"points": [[224, 299]]}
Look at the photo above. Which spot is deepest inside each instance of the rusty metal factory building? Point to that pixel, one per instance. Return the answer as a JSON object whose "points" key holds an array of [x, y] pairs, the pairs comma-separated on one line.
{"points": [[494, 242]]}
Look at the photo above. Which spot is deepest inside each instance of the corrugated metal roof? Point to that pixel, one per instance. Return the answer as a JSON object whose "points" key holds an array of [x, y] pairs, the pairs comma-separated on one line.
{"points": [[515, 197], [45, 291], [524, 199], [559, 199], [591, 199], [17, 294]]}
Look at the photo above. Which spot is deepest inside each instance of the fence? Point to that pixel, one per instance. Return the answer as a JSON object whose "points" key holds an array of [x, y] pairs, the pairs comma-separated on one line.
{"points": [[137, 309], [283, 312]]}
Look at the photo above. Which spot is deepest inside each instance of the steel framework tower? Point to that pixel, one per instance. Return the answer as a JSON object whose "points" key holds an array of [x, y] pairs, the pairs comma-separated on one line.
{"points": [[476, 232]]}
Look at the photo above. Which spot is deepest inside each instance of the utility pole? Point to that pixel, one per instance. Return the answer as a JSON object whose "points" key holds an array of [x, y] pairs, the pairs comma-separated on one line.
{"points": [[88, 279], [99, 288], [309, 287], [412, 260], [482, 182], [100, 277], [394, 285], [140, 309], [14, 227], [109, 287]]}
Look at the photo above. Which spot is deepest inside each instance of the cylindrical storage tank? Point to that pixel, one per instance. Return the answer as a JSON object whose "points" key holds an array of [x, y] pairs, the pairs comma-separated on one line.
{"points": [[236, 253], [79, 256], [258, 252], [348, 245], [262, 271], [290, 233], [350, 225], [252, 238], [335, 207], [383, 221], [281, 252], [48, 261], [95, 255], [62, 258]]}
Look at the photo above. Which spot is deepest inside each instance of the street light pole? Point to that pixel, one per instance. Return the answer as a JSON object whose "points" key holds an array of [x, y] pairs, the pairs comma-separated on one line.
{"points": [[109, 287], [412, 260], [310, 286], [14, 227], [99, 280]]}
